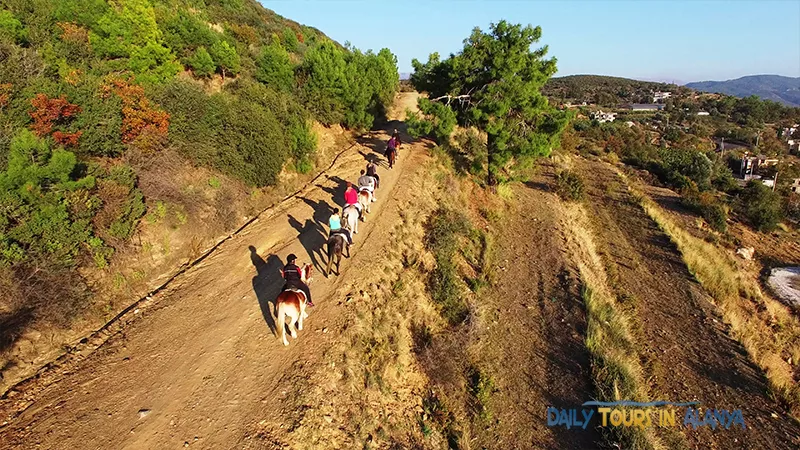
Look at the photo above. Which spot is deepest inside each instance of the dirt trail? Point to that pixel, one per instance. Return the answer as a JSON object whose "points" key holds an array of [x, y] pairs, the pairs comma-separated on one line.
{"points": [[202, 363], [539, 327], [686, 351]]}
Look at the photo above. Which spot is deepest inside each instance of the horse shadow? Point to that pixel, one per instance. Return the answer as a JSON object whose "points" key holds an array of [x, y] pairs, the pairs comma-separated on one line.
{"points": [[374, 158], [312, 237], [267, 284]]}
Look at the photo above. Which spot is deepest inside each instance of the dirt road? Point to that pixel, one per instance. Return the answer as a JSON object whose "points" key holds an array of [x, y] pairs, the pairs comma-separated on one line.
{"points": [[201, 362], [540, 326]]}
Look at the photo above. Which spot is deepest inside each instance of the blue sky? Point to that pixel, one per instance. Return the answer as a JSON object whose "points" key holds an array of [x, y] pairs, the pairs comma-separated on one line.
{"points": [[679, 41]]}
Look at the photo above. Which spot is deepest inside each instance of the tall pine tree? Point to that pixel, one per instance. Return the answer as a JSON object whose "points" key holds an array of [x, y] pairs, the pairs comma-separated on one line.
{"points": [[495, 84]]}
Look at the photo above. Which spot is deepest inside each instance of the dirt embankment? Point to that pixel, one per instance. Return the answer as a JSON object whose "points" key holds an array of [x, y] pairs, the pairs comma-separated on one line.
{"points": [[686, 349]]}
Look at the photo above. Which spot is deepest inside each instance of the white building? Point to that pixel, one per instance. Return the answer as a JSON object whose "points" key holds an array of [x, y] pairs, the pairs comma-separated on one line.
{"points": [[702, 113], [603, 117], [660, 96]]}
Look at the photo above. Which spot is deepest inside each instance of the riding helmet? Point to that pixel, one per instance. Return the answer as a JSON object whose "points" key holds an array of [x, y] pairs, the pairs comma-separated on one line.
{"points": [[291, 258]]}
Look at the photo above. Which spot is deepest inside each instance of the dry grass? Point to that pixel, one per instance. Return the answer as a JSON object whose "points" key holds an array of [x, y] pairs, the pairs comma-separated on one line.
{"points": [[616, 371], [764, 326]]}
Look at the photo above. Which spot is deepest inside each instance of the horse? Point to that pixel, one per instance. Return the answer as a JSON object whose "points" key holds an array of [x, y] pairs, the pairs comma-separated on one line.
{"points": [[336, 245], [292, 303], [391, 155], [350, 215], [364, 199]]}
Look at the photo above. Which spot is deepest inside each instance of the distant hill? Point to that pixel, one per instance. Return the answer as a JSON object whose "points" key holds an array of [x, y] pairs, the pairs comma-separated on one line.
{"points": [[604, 90], [777, 88]]}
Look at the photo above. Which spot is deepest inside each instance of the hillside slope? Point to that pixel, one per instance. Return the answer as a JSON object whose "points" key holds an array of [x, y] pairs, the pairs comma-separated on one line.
{"points": [[137, 134], [777, 88]]}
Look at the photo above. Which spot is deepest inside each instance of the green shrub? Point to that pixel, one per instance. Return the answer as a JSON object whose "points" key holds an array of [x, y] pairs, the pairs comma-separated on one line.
{"points": [[48, 210], [569, 185], [202, 64], [437, 120], [228, 61], [761, 206], [274, 68], [11, 27]]}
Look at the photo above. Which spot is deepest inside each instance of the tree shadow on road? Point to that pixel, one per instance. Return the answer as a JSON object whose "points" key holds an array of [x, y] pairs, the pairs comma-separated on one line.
{"points": [[267, 284], [312, 237]]}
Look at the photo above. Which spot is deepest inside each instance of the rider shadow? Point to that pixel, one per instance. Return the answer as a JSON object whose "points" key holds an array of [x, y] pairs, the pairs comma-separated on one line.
{"points": [[336, 192], [322, 211], [312, 237], [267, 285]]}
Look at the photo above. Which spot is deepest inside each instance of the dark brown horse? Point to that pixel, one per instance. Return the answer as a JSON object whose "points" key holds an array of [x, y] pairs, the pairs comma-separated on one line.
{"points": [[391, 154], [336, 245]]}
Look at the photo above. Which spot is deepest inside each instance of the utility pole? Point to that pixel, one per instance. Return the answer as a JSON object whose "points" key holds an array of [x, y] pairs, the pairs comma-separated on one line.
{"points": [[775, 181]]}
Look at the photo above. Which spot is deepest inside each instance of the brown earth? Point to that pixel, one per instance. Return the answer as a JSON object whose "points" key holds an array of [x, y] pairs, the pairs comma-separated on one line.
{"points": [[199, 363], [686, 351]]}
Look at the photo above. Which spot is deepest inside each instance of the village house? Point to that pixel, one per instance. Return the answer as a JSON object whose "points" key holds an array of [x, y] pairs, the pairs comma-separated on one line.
{"points": [[795, 187], [660, 96], [751, 164], [603, 117], [786, 133]]}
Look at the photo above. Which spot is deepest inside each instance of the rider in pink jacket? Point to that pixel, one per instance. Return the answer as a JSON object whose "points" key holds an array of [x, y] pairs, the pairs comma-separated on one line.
{"points": [[350, 195]]}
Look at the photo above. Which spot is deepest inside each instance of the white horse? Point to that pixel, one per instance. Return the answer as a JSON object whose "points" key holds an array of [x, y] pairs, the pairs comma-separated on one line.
{"points": [[350, 216], [292, 302]]}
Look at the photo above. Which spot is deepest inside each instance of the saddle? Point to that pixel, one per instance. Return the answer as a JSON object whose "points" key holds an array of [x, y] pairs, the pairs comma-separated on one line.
{"points": [[297, 291]]}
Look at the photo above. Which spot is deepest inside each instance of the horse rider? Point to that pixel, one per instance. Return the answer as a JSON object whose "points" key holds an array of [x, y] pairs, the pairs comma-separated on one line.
{"points": [[372, 170], [396, 136], [335, 224], [367, 182], [291, 273], [351, 198]]}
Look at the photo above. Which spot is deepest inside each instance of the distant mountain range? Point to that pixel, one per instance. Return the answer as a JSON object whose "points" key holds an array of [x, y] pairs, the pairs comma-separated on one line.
{"points": [[777, 88]]}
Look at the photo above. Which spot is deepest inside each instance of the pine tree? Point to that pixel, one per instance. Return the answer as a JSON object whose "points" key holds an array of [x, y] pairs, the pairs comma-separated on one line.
{"points": [[226, 58], [202, 64], [495, 84]]}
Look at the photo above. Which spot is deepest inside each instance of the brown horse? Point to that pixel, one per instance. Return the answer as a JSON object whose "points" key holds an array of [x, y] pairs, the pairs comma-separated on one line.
{"points": [[292, 302], [336, 245], [391, 155]]}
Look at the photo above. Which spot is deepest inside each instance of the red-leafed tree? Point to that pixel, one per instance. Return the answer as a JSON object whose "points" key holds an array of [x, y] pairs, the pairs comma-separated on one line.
{"points": [[50, 112]]}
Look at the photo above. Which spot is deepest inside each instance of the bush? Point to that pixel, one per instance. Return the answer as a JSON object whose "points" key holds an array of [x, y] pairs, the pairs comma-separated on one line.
{"points": [[569, 185], [437, 120], [761, 206], [443, 239]]}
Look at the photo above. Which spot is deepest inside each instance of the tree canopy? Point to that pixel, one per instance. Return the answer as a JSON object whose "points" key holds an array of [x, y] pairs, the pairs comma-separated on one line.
{"points": [[494, 83]]}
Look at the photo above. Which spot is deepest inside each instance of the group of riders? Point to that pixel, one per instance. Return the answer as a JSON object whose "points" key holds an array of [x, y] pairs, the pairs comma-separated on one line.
{"points": [[368, 181]]}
